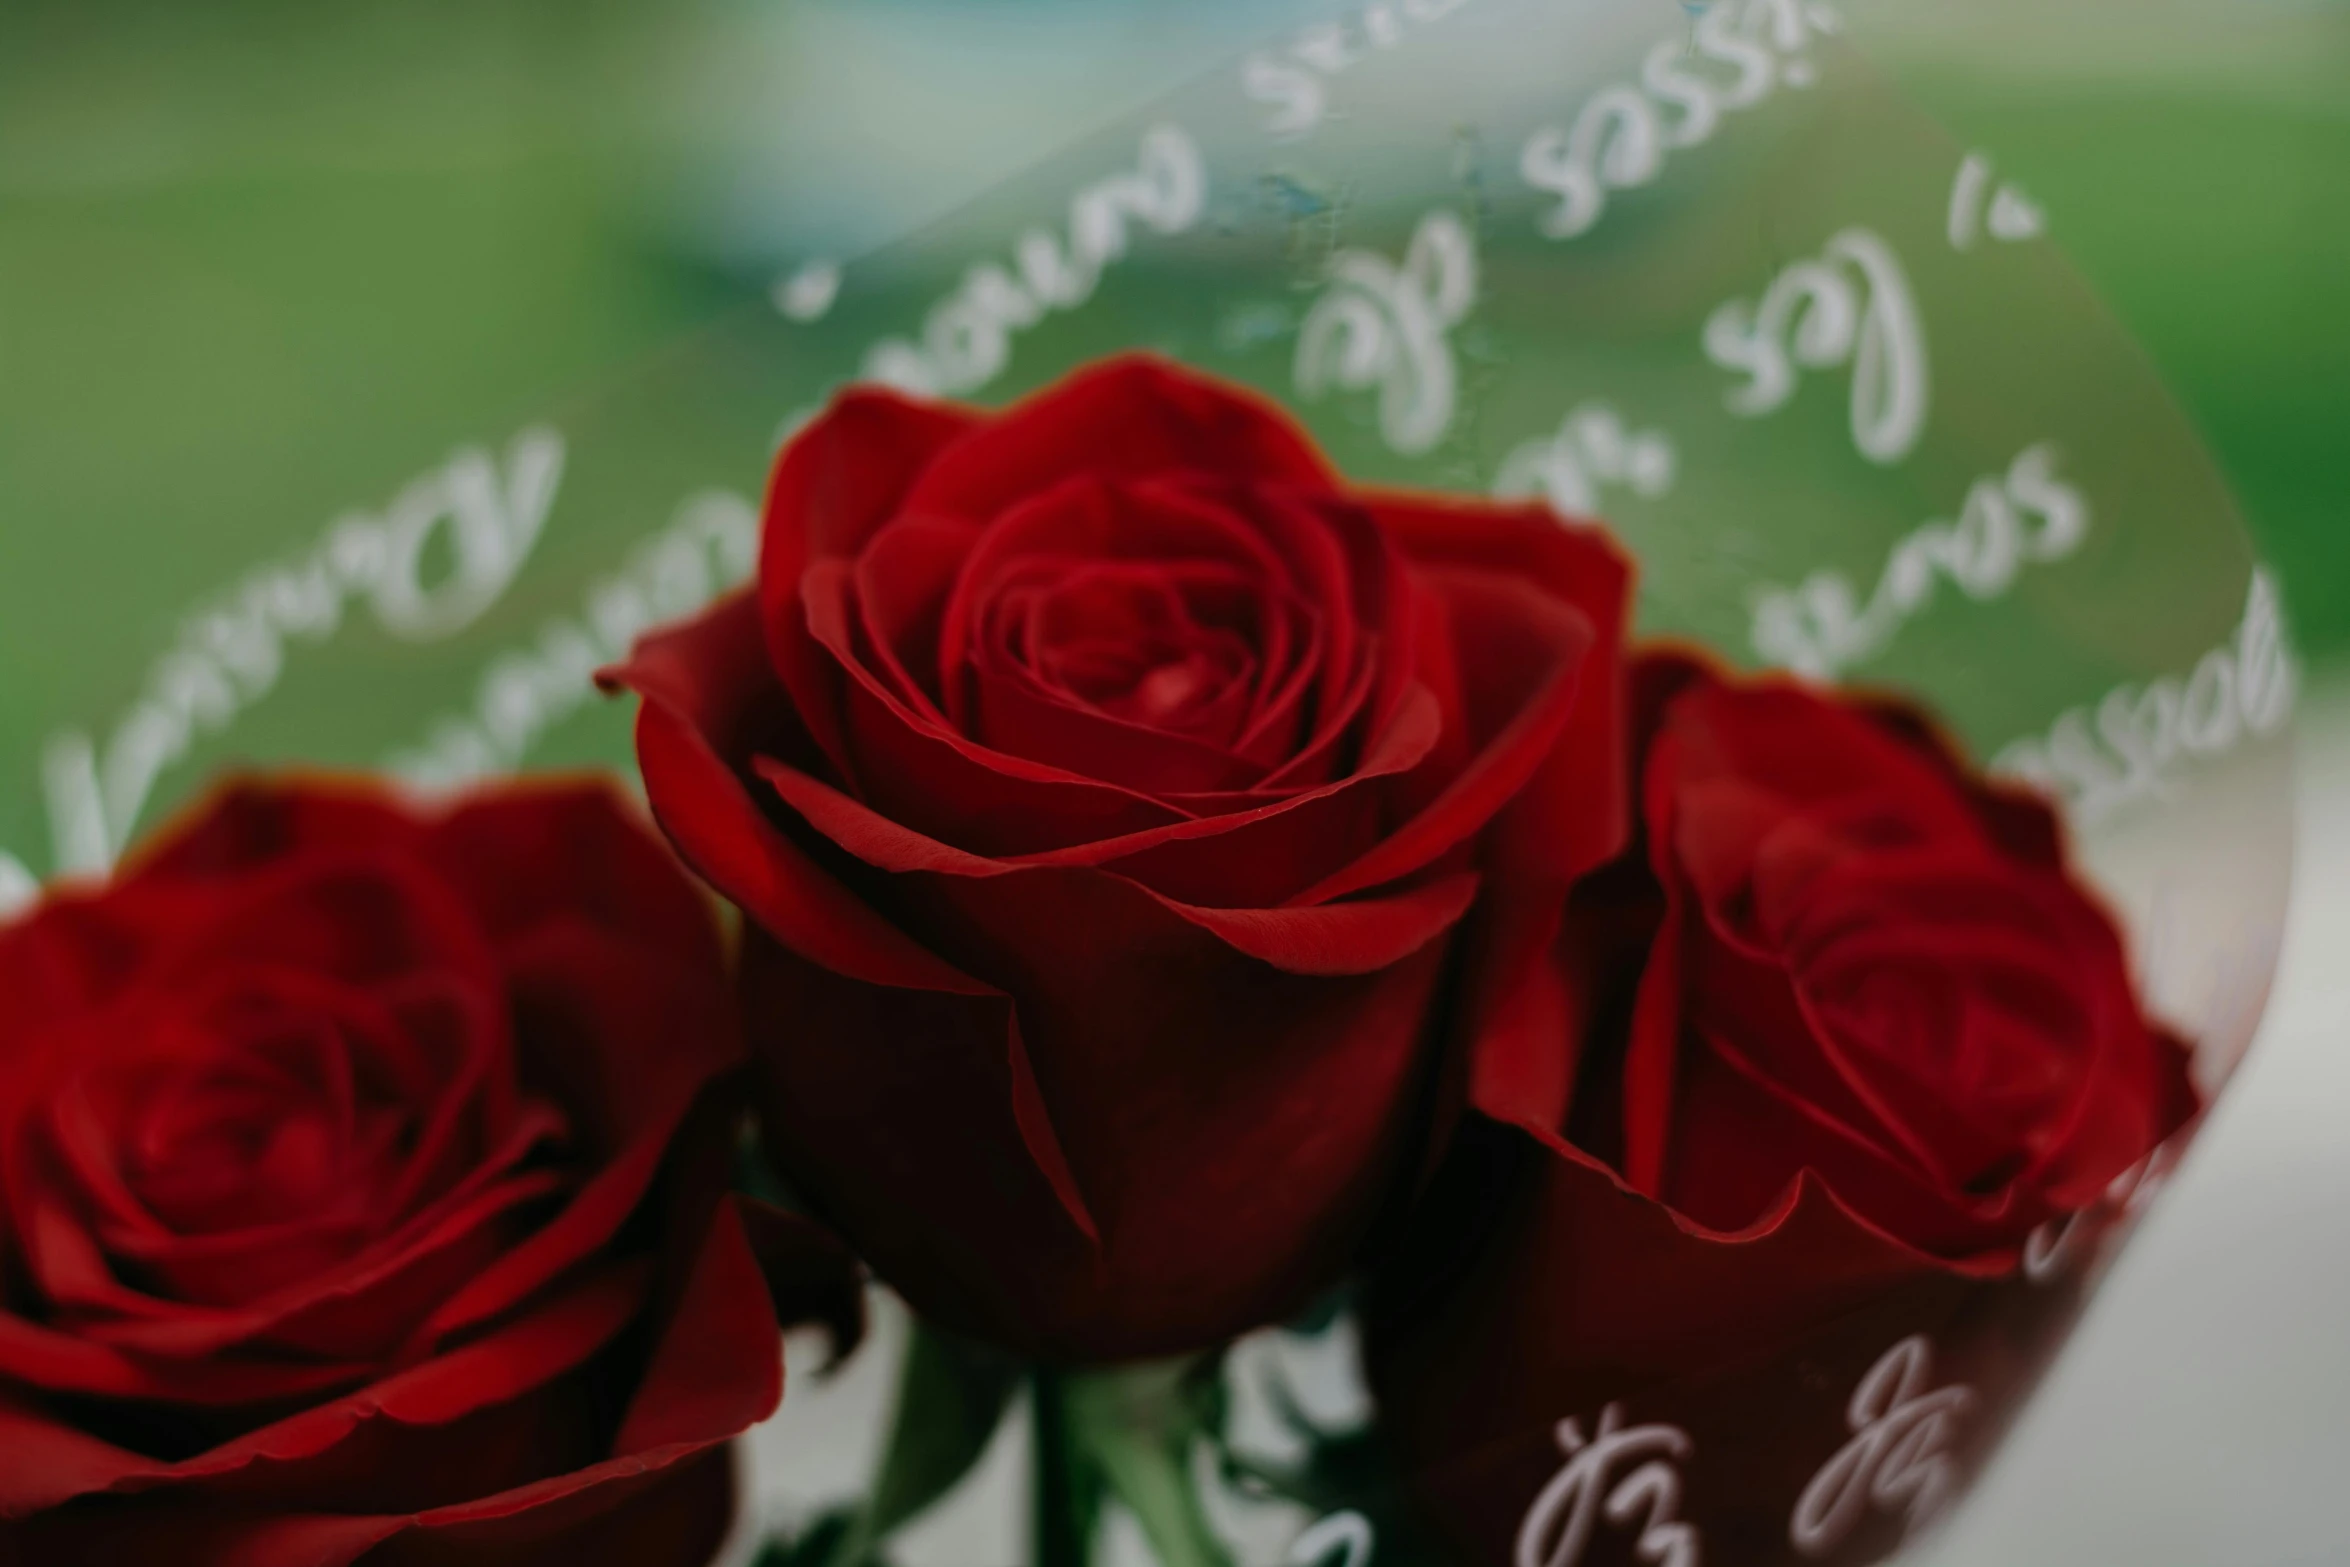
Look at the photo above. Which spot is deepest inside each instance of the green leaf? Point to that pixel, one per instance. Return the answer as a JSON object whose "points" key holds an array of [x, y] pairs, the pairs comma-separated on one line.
{"points": [[1067, 1501], [951, 1398], [1138, 1427]]}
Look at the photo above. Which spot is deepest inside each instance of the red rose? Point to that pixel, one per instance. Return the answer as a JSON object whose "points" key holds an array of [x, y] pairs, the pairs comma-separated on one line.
{"points": [[1102, 779], [1774, 1110], [363, 1196]]}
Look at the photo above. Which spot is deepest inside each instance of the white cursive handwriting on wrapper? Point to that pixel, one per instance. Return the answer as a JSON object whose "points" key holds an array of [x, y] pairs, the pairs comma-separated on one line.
{"points": [[1384, 326], [1898, 1457], [2027, 516], [1591, 450], [1342, 1539], [483, 513], [1567, 1513], [967, 338], [1624, 134], [2132, 745], [711, 544], [1852, 305], [1293, 82], [1977, 206]]}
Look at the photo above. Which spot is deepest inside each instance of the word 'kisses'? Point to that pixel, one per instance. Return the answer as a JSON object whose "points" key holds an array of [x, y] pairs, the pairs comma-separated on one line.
{"points": [[1898, 1456], [1850, 305], [1621, 137], [1560, 1524], [1387, 326]]}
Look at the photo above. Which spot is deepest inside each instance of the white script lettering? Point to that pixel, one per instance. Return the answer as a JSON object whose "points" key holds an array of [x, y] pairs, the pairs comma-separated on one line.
{"points": [[2130, 746], [2026, 517], [1560, 1524], [1976, 205], [967, 339], [1591, 451], [1623, 135], [1898, 1456], [1384, 326], [1292, 82], [1340, 1540], [807, 294], [711, 545], [231, 653], [1815, 317]]}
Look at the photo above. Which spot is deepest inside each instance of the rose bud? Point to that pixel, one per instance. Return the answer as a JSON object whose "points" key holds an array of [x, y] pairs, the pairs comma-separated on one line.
{"points": [[1103, 780], [1791, 1135], [363, 1197]]}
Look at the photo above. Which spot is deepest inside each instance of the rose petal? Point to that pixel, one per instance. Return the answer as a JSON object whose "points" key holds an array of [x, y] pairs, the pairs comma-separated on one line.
{"points": [[718, 1369], [1533, 652], [710, 818], [1151, 1038], [248, 825], [568, 852], [1748, 1346], [641, 1509], [1085, 519], [557, 1335], [1575, 814], [1127, 417], [919, 769], [1258, 857], [1334, 939], [837, 481], [587, 1005]]}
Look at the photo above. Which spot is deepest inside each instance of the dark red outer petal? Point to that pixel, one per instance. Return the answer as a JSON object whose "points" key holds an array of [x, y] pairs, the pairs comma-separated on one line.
{"points": [[1576, 813], [672, 1515], [51, 1464], [1234, 1128], [719, 831], [1530, 656], [698, 681], [574, 852], [247, 825], [836, 481], [1269, 851], [716, 1369], [1586, 1295]]}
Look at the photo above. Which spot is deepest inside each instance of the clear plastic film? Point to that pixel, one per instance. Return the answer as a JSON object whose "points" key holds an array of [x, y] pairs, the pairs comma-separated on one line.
{"points": [[1694, 270], [1700, 274]]}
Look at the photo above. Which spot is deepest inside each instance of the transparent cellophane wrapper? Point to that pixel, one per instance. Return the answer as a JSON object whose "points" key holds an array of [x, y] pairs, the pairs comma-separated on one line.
{"points": [[1700, 273]]}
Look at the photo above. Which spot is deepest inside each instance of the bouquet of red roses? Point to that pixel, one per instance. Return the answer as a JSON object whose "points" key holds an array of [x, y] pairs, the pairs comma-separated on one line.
{"points": [[1337, 1008], [1176, 884]]}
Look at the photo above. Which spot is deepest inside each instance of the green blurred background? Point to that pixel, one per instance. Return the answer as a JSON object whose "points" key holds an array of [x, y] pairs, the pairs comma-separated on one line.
{"points": [[261, 260], [262, 263]]}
